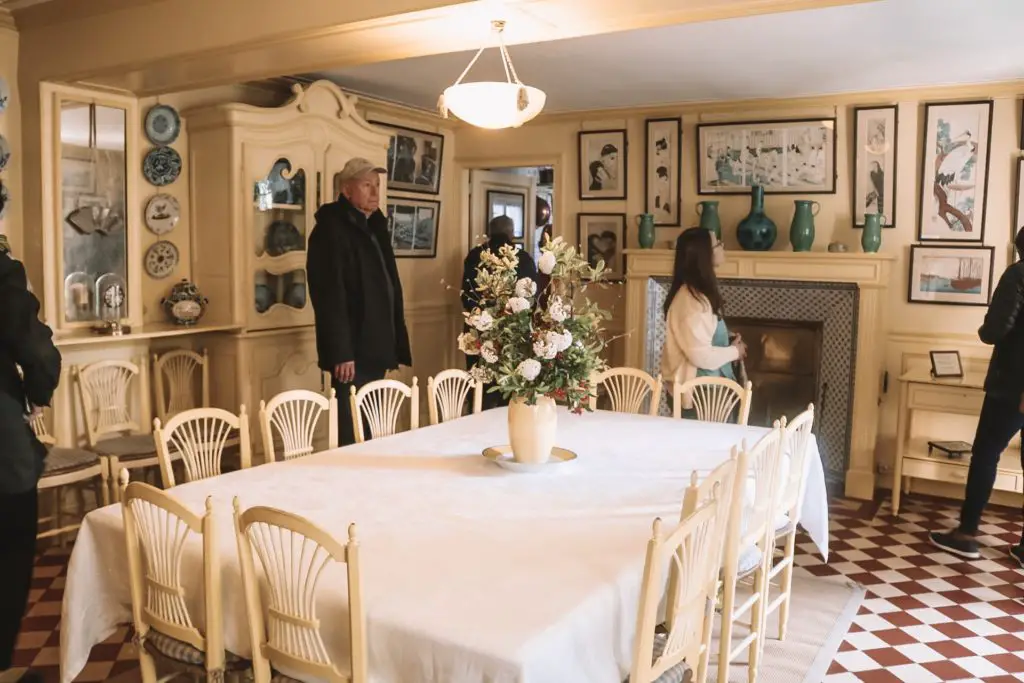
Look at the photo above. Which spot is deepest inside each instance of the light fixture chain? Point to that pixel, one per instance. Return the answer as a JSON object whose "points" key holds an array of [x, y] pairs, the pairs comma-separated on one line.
{"points": [[470, 66]]}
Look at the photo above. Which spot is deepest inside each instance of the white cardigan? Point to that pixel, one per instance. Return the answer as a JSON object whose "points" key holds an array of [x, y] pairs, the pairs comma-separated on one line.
{"points": [[689, 329]]}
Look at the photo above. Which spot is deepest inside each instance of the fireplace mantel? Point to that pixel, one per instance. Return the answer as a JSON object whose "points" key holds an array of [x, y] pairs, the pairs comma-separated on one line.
{"points": [[870, 272]]}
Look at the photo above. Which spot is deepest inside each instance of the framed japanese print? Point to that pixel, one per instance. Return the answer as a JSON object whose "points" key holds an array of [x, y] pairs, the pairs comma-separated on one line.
{"points": [[874, 165], [950, 274], [602, 164], [662, 169], [954, 172], [413, 226], [794, 156], [602, 237], [414, 159]]}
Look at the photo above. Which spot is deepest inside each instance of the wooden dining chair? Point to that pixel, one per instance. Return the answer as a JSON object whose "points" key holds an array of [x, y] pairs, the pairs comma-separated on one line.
{"points": [[796, 447], [714, 399], [447, 393], [628, 390], [379, 404], [284, 628], [294, 416], [157, 532], [174, 379], [690, 551], [749, 545], [199, 438], [114, 430]]}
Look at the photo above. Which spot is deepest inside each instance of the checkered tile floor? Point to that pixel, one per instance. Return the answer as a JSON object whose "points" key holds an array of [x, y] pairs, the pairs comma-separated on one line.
{"points": [[928, 616]]}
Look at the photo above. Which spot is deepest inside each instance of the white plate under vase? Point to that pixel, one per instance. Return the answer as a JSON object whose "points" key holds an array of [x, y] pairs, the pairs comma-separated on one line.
{"points": [[502, 457]]}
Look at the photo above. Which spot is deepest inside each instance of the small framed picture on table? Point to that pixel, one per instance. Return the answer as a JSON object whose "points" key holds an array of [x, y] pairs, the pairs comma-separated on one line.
{"points": [[946, 365]]}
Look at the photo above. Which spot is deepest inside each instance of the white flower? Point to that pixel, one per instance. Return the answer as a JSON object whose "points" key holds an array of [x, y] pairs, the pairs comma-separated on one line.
{"points": [[546, 262], [526, 288], [557, 309], [561, 341], [480, 373], [529, 369], [488, 352], [468, 343], [544, 350], [481, 321], [518, 304]]}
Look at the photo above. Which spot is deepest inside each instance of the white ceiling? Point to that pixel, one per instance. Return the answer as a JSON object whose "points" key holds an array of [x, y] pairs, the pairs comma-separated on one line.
{"points": [[874, 46]]}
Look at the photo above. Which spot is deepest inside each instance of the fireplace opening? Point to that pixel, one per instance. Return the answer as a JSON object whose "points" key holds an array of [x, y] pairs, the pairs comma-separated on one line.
{"points": [[784, 365]]}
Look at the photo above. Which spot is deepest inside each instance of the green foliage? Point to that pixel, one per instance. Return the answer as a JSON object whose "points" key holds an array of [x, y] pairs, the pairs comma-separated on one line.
{"points": [[537, 344]]}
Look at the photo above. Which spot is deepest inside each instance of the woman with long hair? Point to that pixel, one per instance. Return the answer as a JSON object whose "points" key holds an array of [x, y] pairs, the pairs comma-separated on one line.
{"points": [[697, 341]]}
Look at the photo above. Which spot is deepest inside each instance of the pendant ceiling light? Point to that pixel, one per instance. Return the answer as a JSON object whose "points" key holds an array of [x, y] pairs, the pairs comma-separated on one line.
{"points": [[493, 104]]}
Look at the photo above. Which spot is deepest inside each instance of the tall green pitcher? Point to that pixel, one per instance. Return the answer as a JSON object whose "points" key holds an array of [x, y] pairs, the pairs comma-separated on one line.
{"points": [[801, 230], [871, 238], [709, 220], [645, 235]]}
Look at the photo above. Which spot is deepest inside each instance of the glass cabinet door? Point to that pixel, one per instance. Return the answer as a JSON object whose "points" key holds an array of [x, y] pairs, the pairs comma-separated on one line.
{"points": [[284, 189]]}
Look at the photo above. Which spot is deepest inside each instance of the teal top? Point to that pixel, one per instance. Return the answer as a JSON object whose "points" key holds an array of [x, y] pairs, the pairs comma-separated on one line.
{"points": [[720, 339]]}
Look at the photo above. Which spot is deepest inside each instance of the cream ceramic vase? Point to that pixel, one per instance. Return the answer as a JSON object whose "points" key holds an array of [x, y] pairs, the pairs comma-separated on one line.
{"points": [[531, 430]]}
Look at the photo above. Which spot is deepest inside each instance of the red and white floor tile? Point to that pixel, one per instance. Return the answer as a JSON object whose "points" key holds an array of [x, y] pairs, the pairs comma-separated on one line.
{"points": [[927, 616]]}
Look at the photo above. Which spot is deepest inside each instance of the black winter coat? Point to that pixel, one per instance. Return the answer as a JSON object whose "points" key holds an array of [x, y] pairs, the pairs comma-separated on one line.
{"points": [[349, 282], [27, 343], [1004, 328]]}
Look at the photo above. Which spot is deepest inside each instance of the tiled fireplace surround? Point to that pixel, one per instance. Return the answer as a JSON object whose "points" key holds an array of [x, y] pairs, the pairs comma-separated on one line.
{"points": [[843, 292]]}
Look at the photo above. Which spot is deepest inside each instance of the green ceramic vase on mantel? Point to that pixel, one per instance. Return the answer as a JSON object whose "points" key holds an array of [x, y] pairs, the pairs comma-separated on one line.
{"points": [[645, 231], [756, 232], [709, 220], [871, 238], [801, 230]]}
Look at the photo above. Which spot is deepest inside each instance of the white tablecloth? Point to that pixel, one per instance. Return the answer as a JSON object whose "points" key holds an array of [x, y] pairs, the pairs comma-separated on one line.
{"points": [[471, 574]]}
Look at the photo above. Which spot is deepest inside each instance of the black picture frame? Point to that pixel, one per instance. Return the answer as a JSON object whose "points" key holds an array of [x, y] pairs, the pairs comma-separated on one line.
{"points": [[676, 170], [584, 164], [745, 189], [917, 249], [418, 137], [929, 107], [617, 270], [519, 231], [950, 355], [417, 203], [892, 187]]}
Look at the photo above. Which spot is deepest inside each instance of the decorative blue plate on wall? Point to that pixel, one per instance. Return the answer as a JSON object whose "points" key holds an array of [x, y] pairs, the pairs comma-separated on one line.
{"points": [[5, 94], [162, 124], [162, 166], [5, 153]]}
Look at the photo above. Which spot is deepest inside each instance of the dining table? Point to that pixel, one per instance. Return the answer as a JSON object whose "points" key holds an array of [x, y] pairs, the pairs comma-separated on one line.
{"points": [[470, 573]]}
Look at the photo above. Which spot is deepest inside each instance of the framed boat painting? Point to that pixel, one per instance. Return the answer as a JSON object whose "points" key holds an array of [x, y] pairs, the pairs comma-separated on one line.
{"points": [[874, 166], [950, 274], [954, 171]]}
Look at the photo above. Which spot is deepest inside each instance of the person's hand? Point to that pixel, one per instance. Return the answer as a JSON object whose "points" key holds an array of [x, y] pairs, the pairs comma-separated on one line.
{"points": [[345, 372], [741, 348]]}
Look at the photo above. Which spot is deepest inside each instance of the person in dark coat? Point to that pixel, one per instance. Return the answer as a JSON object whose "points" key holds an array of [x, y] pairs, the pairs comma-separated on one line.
{"points": [[500, 232], [25, 344], [355, 289], [1002, 412]]}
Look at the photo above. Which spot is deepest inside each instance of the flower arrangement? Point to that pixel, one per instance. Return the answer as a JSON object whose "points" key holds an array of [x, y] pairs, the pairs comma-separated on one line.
{"points": [[536, 344]]}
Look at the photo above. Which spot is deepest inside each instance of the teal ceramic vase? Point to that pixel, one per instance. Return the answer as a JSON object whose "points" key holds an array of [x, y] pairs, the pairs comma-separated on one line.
{"points": [[757, 232], [801, 230], [709, 220], [871, 238], [645, 234]]}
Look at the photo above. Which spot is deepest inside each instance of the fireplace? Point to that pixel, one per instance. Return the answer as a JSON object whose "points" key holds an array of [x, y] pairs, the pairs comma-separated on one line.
{"points": [[801, 339], [783, 364]]}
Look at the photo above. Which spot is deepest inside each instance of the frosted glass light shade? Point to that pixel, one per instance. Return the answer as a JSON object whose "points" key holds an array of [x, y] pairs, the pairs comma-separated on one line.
{"points": [[492, 104]]}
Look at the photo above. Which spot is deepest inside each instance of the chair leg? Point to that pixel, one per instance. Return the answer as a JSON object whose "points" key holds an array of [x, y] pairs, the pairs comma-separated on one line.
{"points": [[725, 636], [114, 471], [757, 621], [80, 499], [147, 666], [786, 584], [709, 624], [58, 513]]}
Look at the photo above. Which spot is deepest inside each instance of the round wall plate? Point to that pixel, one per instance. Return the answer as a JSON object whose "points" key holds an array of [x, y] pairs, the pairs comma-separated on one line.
{"points": [[162, 166], [5, 153], [162, 213], [5, 94], [161, 258], [162, 124]]}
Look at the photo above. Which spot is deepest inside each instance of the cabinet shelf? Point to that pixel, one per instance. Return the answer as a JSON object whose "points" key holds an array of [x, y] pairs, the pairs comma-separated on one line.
{"points": [[280, 207], [280, 265]]}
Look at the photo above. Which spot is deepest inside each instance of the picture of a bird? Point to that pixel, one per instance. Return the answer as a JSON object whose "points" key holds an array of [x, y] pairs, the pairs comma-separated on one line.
{"points": [[875, 197], [951, 165]]}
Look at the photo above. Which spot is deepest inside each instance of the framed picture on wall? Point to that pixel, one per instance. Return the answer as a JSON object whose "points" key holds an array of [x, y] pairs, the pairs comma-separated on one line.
{"points": [[412, 224], [602, 164], [414, 159], [950, 274], [874, 167], [511, 204], [663, 169], [794, 156], [602, 237], [954, 171]]}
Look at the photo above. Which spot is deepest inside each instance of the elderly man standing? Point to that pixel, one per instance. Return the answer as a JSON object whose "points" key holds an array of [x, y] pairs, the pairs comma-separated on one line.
{"points": [[355, 289]]}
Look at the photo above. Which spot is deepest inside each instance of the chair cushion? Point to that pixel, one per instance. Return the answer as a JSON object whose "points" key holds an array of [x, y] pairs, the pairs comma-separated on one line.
{"points": [[680, 673], [128, 447], [281, 678], [161, 645], [783, 527], [63, 460], [749, 561]]}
